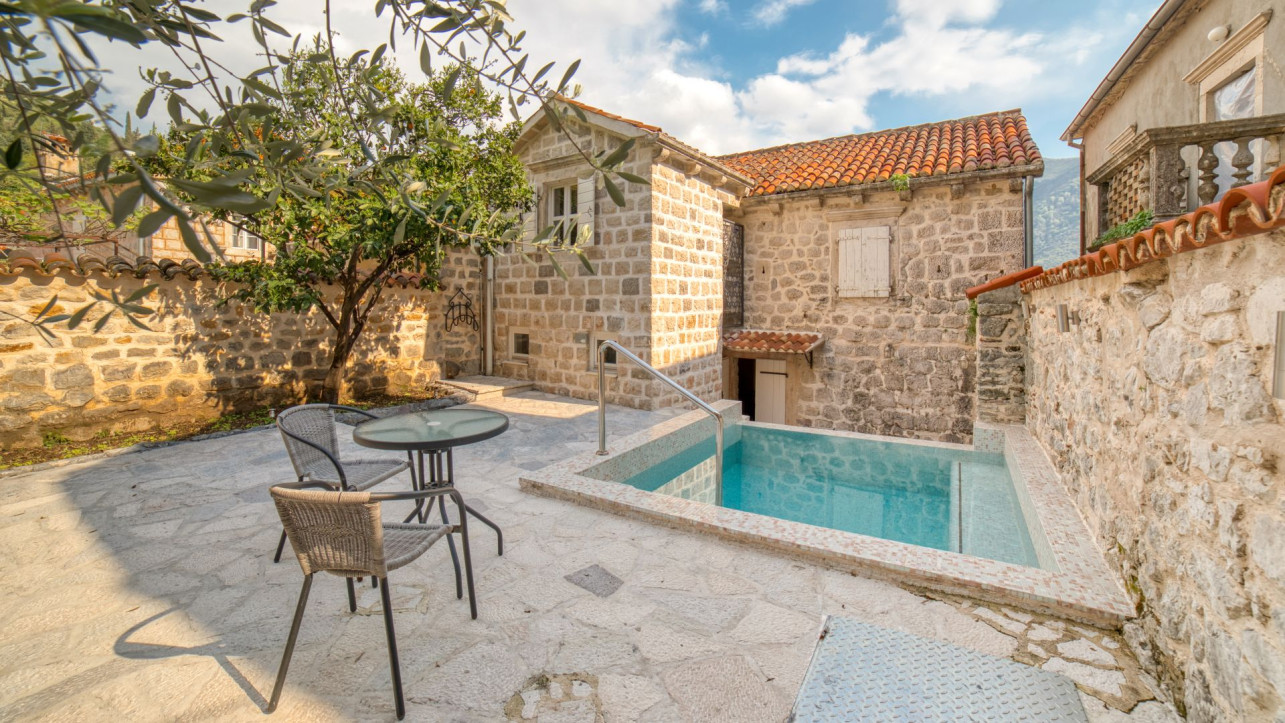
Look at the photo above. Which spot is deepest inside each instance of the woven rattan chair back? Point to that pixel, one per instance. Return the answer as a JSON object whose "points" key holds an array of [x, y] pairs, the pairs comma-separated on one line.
{"points": [[315, 423], [335, 532]]}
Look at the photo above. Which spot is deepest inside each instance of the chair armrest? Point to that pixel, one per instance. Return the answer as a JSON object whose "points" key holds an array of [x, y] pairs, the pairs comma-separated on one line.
{"points": [[301, 485], [343, 480], [451, 492], [354, 410]]}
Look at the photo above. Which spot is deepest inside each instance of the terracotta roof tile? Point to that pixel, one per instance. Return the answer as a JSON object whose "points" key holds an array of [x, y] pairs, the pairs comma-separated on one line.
{"points": [[781, 342], [613, 116], [657, 130], [978, 143], [1241, 213]]}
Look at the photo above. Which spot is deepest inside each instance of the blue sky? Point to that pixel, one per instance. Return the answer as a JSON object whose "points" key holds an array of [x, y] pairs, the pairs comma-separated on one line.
{"points": [[729, 75]]}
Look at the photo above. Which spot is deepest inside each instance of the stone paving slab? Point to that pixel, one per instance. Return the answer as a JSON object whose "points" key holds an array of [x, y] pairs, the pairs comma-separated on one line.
{"points": [[141, 587]]}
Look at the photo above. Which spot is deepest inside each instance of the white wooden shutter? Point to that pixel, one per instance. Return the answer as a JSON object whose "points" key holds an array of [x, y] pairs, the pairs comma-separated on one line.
{"points": [[864, 267], [874, 260], [586, 192], [849, 254]]}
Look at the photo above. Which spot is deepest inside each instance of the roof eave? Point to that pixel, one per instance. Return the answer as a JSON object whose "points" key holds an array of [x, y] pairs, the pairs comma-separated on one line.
{"points": [[1148, 33], [947, 179]]}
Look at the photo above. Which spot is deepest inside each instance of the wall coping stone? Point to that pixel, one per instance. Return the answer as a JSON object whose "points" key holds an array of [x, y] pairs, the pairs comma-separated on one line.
{"points": [[1243, 212]]}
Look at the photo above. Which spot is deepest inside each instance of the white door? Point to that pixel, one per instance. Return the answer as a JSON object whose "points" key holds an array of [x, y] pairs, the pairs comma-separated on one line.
{"points": [[769, 391]]}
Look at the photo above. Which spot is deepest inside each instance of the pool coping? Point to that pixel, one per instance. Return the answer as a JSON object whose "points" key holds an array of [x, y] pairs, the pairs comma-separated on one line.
{"points": [[1083, 587]]}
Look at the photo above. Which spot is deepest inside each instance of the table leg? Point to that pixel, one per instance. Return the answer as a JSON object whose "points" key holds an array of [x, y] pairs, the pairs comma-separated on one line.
{"points": [[416, 484], [450, 476]]}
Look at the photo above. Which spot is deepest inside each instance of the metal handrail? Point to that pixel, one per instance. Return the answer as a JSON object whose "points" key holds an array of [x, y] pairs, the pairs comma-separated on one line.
{"points": [[602, 408]]}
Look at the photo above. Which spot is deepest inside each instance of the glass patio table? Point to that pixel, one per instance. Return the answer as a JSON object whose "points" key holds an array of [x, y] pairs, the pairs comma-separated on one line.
{"points": [[434, 433]]}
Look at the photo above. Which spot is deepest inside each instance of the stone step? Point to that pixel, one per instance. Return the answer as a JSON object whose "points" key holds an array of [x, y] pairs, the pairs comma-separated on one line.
{"points": [[480, 387]]}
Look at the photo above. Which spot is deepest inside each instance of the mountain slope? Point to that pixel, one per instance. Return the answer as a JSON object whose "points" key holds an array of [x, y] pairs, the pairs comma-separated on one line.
{"points": [[1057, 212]]}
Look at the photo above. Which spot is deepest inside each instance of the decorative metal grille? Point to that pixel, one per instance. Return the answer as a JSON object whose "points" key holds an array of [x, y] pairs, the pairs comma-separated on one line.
{"points": [[459, 310], [733, 275]]}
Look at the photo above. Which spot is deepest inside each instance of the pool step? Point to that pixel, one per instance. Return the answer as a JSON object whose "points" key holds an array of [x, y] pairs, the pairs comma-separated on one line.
{"points": [[866, 672], [480, 388]]}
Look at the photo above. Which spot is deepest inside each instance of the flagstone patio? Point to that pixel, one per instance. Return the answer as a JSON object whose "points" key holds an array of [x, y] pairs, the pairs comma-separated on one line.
{"points": [[141, 587]]}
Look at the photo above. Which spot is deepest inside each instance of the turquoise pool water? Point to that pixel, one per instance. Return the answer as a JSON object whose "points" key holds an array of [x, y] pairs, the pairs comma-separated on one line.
{"points": [[960, 501]]}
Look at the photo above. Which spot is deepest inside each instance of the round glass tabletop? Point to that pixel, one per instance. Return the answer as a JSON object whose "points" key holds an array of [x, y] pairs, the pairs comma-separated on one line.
{"points": [[434, 429]]}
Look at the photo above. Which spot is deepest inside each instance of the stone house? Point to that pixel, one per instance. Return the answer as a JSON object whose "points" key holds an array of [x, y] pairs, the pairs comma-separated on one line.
{"points": [[1194, 106], [820, 283], [100, 240]]}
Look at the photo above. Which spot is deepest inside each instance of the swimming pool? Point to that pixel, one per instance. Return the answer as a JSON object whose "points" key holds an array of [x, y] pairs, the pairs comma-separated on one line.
{"points": [[947, 499], [989, 520]]}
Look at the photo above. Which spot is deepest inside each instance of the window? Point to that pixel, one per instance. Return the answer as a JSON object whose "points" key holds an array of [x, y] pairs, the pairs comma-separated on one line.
{"points": [[1235, 99], [521, 348], [568, 208], [863, 267], [564, 211], [242, 239], [608, 356]]}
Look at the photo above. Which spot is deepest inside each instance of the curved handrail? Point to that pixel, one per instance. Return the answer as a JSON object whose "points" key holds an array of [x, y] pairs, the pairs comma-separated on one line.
{"points": [[602, 408]]}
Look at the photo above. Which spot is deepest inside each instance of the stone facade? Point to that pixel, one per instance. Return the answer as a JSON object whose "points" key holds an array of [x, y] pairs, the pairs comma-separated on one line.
{"points": [[903, 365], [199, 359], [1155, 408], [657, 281], [1001, 357], [687, 280]]}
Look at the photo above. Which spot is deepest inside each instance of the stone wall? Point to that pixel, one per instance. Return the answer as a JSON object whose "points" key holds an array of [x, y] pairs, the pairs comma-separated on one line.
{"points": [[564, 316], [656, 288], [1155, 408], [1001, 357], [687, 281], [200, 359], [902, 365]]}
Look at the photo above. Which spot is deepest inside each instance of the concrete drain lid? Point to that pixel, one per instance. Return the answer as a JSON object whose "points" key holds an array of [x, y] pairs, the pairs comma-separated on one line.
{"points": [[596, 580]]}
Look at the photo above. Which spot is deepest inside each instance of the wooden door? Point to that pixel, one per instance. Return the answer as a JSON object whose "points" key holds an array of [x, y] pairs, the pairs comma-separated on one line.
{"points": [[769, 391]]}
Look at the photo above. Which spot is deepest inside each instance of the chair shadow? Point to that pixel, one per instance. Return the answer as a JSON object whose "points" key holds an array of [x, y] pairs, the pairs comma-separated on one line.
{"points": [[126, 648]]}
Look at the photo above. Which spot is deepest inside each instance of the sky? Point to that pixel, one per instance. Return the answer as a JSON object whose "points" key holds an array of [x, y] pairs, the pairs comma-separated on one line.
{"points": [[733, 75]]}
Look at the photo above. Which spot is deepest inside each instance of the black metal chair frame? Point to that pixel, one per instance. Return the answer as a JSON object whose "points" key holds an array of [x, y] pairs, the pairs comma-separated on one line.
{"points": [[386, 598]]}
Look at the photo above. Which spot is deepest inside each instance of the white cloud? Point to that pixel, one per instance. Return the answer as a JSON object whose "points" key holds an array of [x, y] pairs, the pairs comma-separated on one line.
{"points": [[771, 12], [636, 63], [712, 7], [937, 13]]}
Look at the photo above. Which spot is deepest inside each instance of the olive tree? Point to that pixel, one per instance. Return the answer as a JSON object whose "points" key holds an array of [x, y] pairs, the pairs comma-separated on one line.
{"points": [[243, 156], [445, 176]]}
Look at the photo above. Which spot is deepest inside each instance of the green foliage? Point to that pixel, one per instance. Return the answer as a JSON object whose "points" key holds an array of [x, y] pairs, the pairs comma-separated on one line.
{"points": [[900, 182], [52, 439], [1140, 221], [247, 154], [438, 173]]}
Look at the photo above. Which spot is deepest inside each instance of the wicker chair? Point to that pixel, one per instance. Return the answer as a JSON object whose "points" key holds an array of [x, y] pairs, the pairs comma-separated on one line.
{"points": [[312, 441], [342, 533]]}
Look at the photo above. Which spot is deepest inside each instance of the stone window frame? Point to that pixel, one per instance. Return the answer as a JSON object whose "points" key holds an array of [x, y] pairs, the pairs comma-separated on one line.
{"points": [[514, 356], [570, 185], [885, 215], [609, 368], [1244, 50]]}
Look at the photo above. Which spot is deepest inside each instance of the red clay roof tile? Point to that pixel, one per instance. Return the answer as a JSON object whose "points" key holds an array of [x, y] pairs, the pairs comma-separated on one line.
{"points": [[1241, 213], [977, 143], [781, 342]]}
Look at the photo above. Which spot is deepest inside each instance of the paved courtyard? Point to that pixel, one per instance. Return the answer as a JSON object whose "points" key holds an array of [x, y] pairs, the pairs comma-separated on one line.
{"points": [[142, 587]]}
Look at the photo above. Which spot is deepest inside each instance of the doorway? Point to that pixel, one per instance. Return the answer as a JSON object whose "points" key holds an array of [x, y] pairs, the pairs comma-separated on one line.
{"points": [[769, 391]]}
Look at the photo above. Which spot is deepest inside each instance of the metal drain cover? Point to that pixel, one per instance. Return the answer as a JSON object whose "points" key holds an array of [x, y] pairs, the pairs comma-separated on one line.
{"points": [[596, 580], [865, 672]]}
